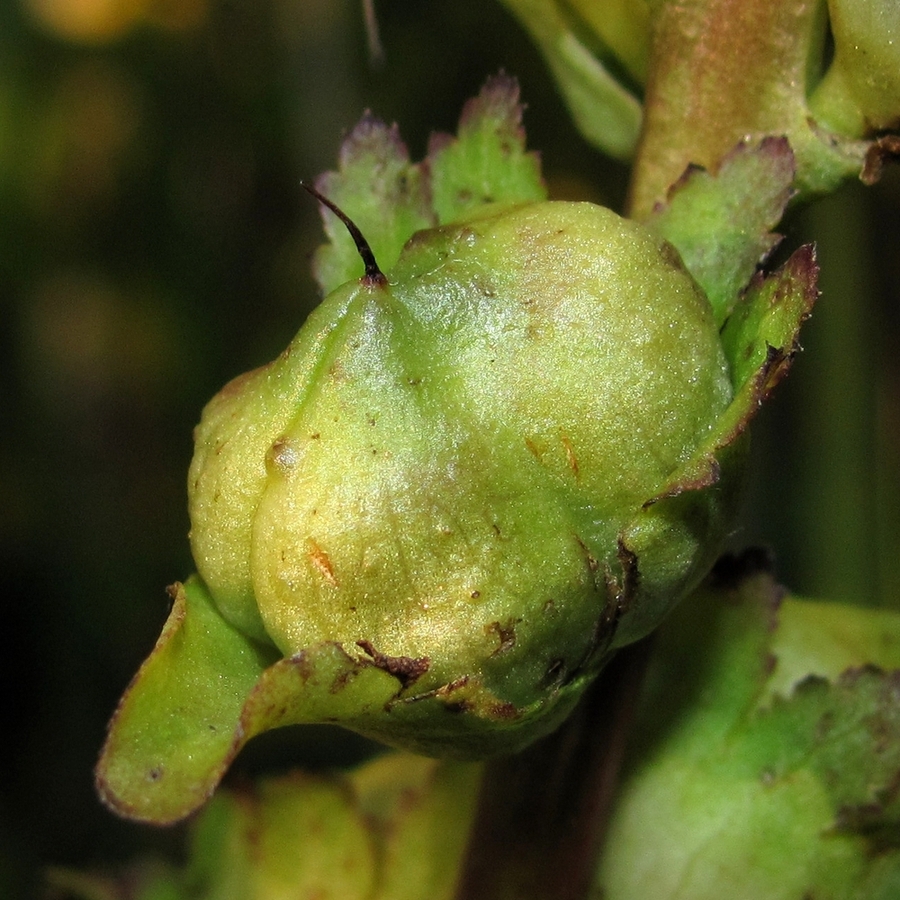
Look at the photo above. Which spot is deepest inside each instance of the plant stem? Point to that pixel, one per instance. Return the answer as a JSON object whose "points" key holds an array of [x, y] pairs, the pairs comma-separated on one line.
{"points": [[542, 814], [722, 70]]}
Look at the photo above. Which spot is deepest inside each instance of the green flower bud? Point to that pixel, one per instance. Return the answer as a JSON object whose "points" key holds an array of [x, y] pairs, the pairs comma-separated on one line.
{"points": [[394, 828], [444, 466], [434, 517]]}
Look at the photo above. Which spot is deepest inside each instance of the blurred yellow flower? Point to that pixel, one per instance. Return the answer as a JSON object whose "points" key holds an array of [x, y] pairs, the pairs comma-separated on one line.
{"points": [[96, 21]]}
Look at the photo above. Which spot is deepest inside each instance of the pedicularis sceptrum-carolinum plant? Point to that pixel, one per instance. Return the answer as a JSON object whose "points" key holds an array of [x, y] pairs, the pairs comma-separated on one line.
{"points": [[469, 480], [510, 440]]}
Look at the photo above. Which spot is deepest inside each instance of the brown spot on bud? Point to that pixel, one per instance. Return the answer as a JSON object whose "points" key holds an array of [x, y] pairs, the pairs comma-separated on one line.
{"points": [[321, 563], [405, 669], [283, 455], [506, 711], [571, 459], [505, 633]]}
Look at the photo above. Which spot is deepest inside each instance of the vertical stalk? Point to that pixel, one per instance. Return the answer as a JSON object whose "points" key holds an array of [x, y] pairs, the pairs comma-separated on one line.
{"points": [[542, 814], [721, 70]]}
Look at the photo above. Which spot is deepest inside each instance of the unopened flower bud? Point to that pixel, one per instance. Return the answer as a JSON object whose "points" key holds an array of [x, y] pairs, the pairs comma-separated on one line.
{"points": [[445, 467], [469, 480]]}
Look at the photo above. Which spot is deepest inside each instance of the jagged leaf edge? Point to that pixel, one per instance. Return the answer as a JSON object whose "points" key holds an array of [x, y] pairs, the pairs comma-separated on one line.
{"points": [[721, 222], [840, 728], [782, 302], [487, 162], [390, 198]]}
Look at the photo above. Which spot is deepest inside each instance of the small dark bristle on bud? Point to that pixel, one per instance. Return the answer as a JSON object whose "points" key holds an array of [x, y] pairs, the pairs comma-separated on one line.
{"points": [[373, 275]]}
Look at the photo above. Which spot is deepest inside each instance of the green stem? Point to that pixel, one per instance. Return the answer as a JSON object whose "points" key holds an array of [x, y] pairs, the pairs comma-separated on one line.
{"points": [[721, 70], [542, 814], [606, 113]]}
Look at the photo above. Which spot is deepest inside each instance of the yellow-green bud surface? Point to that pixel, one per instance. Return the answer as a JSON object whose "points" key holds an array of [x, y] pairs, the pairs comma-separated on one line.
{"points": [[440, 467], [464, 484]]}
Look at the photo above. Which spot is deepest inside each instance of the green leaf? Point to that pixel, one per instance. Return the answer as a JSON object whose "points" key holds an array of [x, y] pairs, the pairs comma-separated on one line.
{"points": [[390, 198], [606, 113], [826, 639], [721, 222], [847, 733], [712, 658], [733, 789], [174, 728], [487, 161], [761, 336], [204, 691], [760, 340]]}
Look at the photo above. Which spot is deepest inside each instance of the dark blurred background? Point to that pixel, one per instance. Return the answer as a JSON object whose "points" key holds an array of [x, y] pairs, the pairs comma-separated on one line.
{"points": [[153, 244]]}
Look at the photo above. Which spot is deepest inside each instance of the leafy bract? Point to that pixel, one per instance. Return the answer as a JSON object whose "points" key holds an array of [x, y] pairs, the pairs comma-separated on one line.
{"points": [[390, 198], [776, 794], [206, 690], [760, 340], [177, 720], [203, 692], [761, 335], [721, 226], [487, 162], [721, 222]]}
